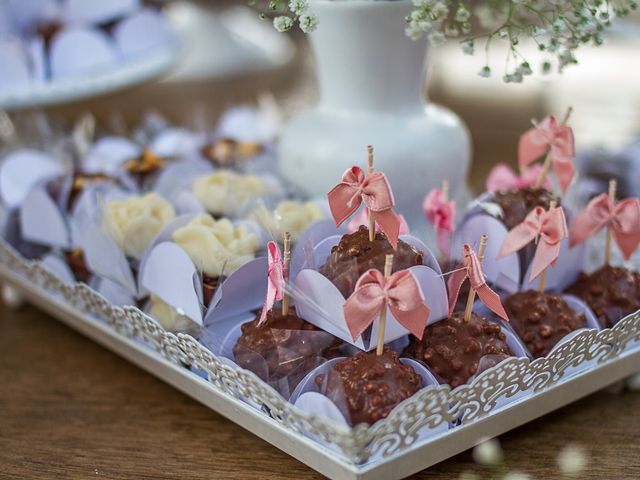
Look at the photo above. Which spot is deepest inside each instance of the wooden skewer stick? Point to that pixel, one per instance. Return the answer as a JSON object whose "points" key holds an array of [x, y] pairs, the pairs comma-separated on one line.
{"points": [[543, 275], [388, 265], [472, 293], [613, 185], [372, 222], [286, 260], [445, 191], [547, 161]]}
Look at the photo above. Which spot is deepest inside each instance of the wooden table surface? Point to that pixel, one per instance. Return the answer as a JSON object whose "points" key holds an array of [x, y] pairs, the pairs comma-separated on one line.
{"points": [[70, 409]]}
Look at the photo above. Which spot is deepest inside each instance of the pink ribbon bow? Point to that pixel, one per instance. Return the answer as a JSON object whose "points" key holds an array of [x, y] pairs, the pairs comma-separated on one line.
{"points": [[502, 178], [442, 215], [548, 227], [362, 218], [374, 190], [545, 137], [472, 269], [623, 218], [275, 279], [399, 292]]}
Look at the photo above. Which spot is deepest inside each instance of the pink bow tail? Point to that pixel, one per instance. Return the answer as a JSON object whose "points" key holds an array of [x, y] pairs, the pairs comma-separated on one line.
{"points": [[443, 239], [389, 223], [492, 300], [546, 254], [275, 280], [343, 202]]}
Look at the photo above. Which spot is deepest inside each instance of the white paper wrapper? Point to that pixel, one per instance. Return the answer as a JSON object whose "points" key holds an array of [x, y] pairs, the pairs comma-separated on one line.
{"points": [[142, 32], [320, 302], [67, 60], [15, 60], [97, 11]]}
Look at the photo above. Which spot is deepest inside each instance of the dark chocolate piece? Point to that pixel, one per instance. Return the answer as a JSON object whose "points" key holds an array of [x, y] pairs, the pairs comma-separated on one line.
{"points": [[75, 260], [452, 348], [541, 320], [611, 292], [209, 287], [145, 166], [227, 152], [371, 385], [355, 254], [285, 345], [517, 204]]}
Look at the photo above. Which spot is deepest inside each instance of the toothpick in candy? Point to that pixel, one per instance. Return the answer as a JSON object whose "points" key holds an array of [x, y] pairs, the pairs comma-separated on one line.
{"points": [[375, 292], [622, 220], [557, 142], [472, 269], [548, 229], [374, 191], [441, 213], [285, 266]]}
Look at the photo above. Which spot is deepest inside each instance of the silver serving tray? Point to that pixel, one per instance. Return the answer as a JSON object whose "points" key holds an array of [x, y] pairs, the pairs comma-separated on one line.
{"points": [[502, 398]]}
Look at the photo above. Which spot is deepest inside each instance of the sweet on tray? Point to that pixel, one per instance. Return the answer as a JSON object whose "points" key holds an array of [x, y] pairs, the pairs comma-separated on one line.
{"points": [[356, 315]]}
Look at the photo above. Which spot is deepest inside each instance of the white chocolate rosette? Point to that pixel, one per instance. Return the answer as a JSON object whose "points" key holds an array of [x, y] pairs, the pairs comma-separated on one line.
{"points": [[117, 243], [291, 216], [198, 259]]}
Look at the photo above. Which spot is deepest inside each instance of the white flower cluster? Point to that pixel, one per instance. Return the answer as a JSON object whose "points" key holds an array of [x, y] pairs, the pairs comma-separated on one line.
{"points": [[558, 27], [287, 15]]}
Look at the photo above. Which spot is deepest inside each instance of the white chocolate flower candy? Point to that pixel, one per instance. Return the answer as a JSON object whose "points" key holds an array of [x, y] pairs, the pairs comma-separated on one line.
{"points": [[216, 247], [167, 316], [226, 191], [289, 216], [135, 221]]}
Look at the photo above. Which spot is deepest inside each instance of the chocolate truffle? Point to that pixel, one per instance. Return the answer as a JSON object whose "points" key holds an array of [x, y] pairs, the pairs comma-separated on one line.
{"points": [[227, 152], [75, 260], [282, 346], [611, 292], [355, 254], [452, 348], [145, 166], [517, 204], [370, 385], [541, 320]]}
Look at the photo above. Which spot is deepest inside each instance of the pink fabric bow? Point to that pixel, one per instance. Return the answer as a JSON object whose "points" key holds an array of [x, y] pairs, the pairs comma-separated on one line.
{"points": [[363, 219], [545, 137], [442, 215], [623, 218], [472, 269], [548, 228], [275, 280], [374, 190], [502, 178], [399, 292]]}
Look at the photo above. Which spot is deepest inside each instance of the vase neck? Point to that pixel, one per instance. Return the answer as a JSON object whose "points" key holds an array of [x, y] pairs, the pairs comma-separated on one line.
{"points": [[364, 59]]}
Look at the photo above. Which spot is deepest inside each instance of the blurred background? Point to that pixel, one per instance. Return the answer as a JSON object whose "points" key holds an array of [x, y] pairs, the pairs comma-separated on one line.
{"points": [[229, 56]]}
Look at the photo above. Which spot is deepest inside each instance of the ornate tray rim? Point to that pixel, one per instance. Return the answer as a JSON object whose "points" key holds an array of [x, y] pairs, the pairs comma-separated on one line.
{"points": [[132, 334]]}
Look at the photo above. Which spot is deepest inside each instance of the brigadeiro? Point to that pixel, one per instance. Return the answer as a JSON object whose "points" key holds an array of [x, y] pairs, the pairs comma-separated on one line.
{"points": [[516, 204], [370, 385], [355, 254], [541, 320], [612, 293], [452, 348], [284, 347]]}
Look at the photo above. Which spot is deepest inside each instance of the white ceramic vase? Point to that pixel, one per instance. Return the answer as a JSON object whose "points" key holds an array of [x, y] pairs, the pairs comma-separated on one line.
{"points": [[371, 78]]}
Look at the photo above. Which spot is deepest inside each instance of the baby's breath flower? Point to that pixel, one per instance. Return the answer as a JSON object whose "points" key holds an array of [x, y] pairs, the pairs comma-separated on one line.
{"points": [[436, 38], [298, 7], [308, 22], [467, 46], [485, 72], [283, 23]]}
